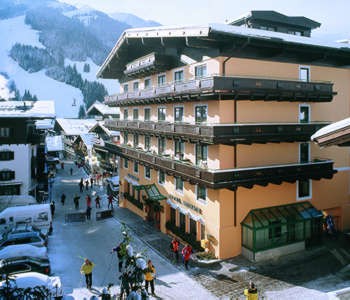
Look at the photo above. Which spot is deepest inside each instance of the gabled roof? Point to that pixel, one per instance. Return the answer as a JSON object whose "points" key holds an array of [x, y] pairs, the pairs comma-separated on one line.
{"points": [[103, 109], [76, 126], [89, 139], [27, 109], [225, 40], [54, 143], [105, 129]]}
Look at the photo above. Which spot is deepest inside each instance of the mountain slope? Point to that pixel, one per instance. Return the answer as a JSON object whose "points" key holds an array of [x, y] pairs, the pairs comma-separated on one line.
{"points": [[132, 20]]}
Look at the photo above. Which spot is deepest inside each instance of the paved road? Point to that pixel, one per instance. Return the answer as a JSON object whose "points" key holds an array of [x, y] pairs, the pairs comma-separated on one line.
{"points": [[71, 242]]}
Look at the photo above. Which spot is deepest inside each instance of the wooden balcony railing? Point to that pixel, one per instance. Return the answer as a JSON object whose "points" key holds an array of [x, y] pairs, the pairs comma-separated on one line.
{"points": [[232, 178], [222, 133], [228, 88]]}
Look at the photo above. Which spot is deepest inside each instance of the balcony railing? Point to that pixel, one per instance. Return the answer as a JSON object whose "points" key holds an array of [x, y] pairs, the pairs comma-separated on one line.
{"points": [[232, 178], [222, 133], [228, 88]]}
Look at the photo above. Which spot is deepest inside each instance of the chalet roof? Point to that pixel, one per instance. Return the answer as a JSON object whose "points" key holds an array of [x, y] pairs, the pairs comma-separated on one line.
{"points": [[76, 126], [276, 17], [137, 42], [27, 109], [103, 109], [105, 129], [337, 133], [89, 139]]}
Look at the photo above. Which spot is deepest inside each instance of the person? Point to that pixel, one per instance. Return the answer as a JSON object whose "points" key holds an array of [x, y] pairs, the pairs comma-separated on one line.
{"points": [[91, 181], [76, 201], [97, 201], [121, 251], [88, 212], [110, 201], [251, 293], [81, 185], [63, 198], [134, 295], [52, 208], [86, 269], [88, 201], [150, 275], [62, 165], [124, 284], [174, 246], [186, 255], [87, 184], [71, 171]]}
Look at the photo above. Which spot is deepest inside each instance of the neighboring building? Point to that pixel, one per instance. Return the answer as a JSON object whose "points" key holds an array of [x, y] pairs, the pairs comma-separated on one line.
{"points": [[83, 146], [215, 128], [102, 111], [70, 129], [54, 145], [22, 146]]}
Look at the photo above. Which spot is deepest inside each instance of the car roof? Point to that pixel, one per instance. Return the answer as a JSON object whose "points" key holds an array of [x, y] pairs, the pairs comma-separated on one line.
{"points": [[15, 235], [23, 250], [30, 279]]}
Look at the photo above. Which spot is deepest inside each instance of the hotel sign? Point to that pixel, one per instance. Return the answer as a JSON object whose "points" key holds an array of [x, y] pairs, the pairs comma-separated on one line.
{"points": [[185, 203], [133, 177]]}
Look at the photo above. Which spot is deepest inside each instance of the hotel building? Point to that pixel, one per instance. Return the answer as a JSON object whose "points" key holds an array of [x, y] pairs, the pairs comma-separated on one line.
{"points": [[215, 128]]}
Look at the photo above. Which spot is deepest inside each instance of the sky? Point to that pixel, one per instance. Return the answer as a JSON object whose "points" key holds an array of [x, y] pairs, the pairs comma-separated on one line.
{"points": [[332, 14]]}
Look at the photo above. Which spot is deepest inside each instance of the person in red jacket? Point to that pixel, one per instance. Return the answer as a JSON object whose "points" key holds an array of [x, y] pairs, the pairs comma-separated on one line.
{"points": [[174, 246], [186, 255]]}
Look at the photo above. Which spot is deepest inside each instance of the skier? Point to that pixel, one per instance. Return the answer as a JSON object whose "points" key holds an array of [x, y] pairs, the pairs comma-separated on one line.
{"points": [[86, 269], [150, 275], [63, 198]]}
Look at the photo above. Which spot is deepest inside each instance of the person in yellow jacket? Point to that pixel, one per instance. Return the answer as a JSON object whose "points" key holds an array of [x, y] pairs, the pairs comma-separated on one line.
{"points": [[150, 275], [251, 293], [86, 269]]}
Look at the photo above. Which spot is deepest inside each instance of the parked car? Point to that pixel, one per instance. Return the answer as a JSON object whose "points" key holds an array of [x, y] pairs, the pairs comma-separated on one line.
{"points": [[21, 228], [33, 280], [24, 258], [31, 238]]}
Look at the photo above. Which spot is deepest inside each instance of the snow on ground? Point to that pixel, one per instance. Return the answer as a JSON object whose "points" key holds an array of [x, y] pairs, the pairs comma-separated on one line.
{"points": [[4, 90]]}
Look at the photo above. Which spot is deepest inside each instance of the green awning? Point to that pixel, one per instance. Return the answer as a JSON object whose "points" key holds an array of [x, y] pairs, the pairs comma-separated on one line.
{"points": [[151, 190]]}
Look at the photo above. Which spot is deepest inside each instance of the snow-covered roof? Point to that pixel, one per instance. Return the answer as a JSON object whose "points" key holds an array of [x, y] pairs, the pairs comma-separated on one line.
{"points": [[27, 109], [334, 134], [103, 109], [76, 126], [45, 124], [89, 139], [105, 129], [25, 208], [23, 250], [54, 143]]}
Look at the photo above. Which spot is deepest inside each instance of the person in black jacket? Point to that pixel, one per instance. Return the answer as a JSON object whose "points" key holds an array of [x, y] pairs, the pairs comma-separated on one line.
{"points": [[121, 251]]}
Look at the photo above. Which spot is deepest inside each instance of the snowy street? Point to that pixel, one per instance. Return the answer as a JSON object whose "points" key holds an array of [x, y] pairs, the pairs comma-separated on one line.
{"points": [[72, 242]]}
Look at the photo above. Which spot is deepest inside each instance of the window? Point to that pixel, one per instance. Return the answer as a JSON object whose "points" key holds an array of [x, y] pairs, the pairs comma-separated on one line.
{"points": [[161, 145], [304, 113], [161, 79], [135, 86], [135, 114], [7, 175], [161, 177], [275, 229], [5, 131], [202, 232], [304, 152], [161, 113], [136, 167], [126, 138], [7, 155], [172, 216], [178, 114], [304, 74], [304, 189], [201, 113], [126, 114], [148, 83], [182, 222], [200, 71], [125, 88], [147, 114], [126, 163], [147, 172], [179, 184], [147, 142], [179, 76], [179, 149], [136, 140], [10, 190], [201, 192], [201, 155]]}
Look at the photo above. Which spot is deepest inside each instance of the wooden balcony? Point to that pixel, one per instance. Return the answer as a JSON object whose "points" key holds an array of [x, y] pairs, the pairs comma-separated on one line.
{"points": [[232, 178], [229, 88], [228, 134]]}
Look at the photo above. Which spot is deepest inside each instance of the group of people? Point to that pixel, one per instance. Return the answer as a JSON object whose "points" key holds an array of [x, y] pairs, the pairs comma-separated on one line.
{"points": [[186, 252]]}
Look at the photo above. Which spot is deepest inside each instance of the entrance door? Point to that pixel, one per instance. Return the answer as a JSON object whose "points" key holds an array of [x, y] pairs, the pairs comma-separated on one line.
{"points": [[153, 216]]}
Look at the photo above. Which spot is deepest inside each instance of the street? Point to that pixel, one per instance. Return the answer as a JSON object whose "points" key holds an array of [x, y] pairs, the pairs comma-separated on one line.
{"points": [[71, 242]]}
